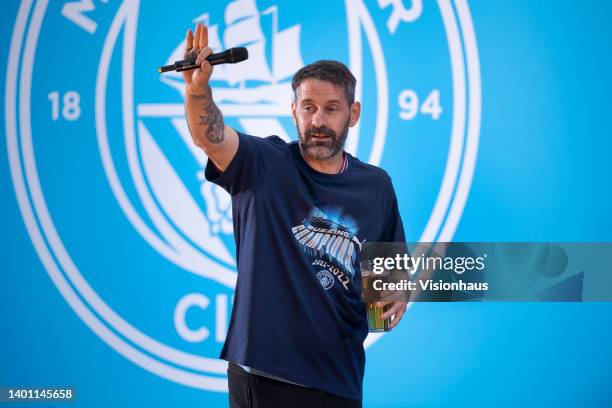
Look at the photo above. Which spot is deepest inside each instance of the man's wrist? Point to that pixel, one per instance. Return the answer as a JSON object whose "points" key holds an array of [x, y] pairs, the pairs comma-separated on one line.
{"points": [[198, 90]]}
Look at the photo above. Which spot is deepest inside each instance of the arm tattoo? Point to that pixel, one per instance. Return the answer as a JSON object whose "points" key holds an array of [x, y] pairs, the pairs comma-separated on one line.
{"points": [[212, 119], [198, 97]]}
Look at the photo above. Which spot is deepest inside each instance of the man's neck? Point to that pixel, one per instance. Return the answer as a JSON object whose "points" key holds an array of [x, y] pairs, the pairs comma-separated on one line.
{"points": [[333, 165]]}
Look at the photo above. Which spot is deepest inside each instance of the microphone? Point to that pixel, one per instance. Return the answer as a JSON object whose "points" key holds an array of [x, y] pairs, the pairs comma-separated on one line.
{"points": [[231, 56]]}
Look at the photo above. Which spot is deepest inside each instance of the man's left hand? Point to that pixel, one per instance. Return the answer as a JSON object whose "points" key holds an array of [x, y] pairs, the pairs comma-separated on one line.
{"points": [[397, 310]]}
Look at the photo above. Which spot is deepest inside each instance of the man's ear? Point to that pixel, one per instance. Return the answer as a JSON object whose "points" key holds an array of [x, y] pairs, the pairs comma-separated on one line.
{"points": [[293, 113], [355, 113]]}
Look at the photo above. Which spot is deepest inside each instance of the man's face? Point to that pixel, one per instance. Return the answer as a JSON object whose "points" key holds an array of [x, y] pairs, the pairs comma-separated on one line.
{"points": [[322, 116]]}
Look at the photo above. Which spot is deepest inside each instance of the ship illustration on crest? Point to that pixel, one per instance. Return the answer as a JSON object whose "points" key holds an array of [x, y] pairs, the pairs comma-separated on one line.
{"points": [[243, 28], [188, 212]]}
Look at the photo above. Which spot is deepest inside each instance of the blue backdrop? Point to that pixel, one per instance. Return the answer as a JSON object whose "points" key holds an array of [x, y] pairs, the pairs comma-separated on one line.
{"points": [[118, 260]]}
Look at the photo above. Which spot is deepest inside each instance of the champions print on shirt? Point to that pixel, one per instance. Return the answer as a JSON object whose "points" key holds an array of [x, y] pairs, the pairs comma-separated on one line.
{"points": [[332, 241]]}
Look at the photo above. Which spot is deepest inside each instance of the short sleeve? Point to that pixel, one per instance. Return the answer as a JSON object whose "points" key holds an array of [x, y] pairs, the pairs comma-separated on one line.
{"points": [[243, 172], [393, 230]]}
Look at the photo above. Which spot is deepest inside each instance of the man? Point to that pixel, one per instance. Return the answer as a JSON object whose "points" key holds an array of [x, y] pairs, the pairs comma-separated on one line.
{"points": [[301, 212]]}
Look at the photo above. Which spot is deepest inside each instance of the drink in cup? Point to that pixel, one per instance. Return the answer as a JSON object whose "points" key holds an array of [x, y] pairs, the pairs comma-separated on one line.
{"points": [[371, 297]]}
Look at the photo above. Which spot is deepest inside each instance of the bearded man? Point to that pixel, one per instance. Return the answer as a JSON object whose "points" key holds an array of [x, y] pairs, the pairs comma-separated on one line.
{"points": [[301, 212]]}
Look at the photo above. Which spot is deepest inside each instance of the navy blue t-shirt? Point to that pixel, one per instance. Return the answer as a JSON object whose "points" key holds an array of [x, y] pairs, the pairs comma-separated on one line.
{"points": [[297, 310]]}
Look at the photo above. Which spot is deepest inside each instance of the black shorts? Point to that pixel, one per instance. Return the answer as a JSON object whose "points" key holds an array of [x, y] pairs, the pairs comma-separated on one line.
{"points": [[248, 390]]}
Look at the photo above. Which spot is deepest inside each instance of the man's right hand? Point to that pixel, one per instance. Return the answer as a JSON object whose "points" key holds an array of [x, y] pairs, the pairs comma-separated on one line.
{"points": [[197, 47], [205, 120]]}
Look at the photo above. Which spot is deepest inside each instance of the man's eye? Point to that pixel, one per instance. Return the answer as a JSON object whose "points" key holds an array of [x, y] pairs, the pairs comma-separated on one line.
{"points": [[308, 108], [332, 109]]}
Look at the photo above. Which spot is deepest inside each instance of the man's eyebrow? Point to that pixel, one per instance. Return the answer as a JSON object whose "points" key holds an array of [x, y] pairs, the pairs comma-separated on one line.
{"points": [[326, 102]]}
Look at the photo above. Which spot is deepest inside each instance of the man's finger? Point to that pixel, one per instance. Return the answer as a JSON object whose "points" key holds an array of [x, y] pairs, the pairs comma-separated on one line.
{"points": [[203, 54], [196, 37], [392, 310], [386, 293], [385, 298], [395, 308], [390, 296], [397, 318], [204, 37], [189, 41]]}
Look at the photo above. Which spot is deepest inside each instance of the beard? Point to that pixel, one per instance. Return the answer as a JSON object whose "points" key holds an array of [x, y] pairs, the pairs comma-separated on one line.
{"points": [[319, 148]]}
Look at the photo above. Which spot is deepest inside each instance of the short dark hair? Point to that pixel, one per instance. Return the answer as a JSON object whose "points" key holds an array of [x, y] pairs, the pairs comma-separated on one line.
{"points": [[327, 70]]}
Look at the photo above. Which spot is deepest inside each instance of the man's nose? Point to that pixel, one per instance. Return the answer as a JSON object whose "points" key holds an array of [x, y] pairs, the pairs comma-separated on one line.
{"points": [[318, 119]]}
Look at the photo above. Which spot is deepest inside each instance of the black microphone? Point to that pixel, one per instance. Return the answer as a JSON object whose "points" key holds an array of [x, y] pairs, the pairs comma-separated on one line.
{"points": [[231, 56]]}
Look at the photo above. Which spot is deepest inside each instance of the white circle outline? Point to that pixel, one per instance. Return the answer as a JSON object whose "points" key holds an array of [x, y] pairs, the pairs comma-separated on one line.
{"points": [[120, 345], [67, 292]]}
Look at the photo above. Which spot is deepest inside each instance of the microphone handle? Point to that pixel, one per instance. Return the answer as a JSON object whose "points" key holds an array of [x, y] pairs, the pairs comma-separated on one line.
{"points": [[193, 65], [188, 67], [185, 65]]}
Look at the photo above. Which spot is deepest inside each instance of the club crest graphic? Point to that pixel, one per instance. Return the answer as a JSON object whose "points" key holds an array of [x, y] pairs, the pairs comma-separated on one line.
{"points": [[111, 187], [326, 279]]}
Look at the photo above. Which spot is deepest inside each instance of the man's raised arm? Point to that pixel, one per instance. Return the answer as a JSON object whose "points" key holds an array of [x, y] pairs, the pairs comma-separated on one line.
{"points": [[205, 121]]}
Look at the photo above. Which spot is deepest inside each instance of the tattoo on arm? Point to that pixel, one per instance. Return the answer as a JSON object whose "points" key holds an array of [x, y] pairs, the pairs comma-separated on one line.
{"points": [[212, 119]]}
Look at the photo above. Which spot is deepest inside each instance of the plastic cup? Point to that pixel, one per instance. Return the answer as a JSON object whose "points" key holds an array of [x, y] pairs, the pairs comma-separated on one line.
{"points": [[373, 312]]}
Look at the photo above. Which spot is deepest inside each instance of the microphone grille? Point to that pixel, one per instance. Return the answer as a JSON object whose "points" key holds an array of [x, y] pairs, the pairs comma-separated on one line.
{"points": [[238, 54]]}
